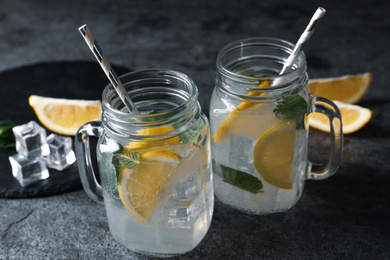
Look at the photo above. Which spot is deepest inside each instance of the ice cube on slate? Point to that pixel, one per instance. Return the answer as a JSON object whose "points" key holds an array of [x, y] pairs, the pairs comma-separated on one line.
{"points": [[28, 170], [61, 154], [30, 140]]}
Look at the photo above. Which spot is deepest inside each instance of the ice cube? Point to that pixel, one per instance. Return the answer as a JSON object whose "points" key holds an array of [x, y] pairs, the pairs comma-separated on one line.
{"points": [[186, 189], [241, 152], [28, 170], [184, 215], [220, 152], [30, 140], [61, 154]]}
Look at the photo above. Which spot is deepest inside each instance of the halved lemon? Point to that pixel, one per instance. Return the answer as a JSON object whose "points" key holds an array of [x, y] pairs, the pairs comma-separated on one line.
{"points": [[222, 131], [274, 155], [348, 89], [140, 189], [353, 118], [65, 116]]}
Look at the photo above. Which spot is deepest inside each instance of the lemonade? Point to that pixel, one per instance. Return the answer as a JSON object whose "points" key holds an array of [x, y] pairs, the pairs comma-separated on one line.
{"points": [[259, 127], [154, 167], [183, 214], [237, 181]]}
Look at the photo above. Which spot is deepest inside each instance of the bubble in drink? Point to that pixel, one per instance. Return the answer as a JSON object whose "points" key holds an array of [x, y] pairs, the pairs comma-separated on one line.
{"points": [[28, 170], [61, 154], [30, 140]]}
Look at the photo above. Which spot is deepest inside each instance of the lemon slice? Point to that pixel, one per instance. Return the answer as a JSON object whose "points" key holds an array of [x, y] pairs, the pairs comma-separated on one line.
{"points": [[274, 153], [230, 120], [152, 132], [353, 118], [348, 89], [65, 116], [140, 189], [224, 128]]}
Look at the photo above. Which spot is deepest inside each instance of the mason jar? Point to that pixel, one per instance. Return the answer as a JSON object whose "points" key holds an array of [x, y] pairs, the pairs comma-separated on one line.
{"points": [[154, 167], [259, 127]]}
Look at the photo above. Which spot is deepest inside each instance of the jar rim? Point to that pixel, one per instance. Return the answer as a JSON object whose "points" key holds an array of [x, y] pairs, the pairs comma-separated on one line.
{"points": [[240, 50], [173, 93], [109, 93]]}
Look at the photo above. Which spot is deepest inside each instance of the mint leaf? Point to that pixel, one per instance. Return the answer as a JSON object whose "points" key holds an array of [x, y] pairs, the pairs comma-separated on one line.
{"points": [[120, 150], [189, 136], [127, 160], [7, 138], [159, 116], [130, 160], [6, 127], [294, 107], [237, 178], [240, 70], [117, 165], [193, 134]]}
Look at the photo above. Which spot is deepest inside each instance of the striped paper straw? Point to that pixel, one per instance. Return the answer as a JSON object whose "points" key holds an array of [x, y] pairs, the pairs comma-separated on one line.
{"points": [[115, 81], [311, 27]]}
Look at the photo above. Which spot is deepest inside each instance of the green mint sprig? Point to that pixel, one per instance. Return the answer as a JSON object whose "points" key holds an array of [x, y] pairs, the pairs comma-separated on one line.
{"points": [[129, 160], [237, 178], [294, 107], [240, 70], [125, 160], [194, 134], [158, 116], [7, 138]]}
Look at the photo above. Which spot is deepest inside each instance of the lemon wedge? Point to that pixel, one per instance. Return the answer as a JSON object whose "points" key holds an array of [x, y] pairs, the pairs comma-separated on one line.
{"points": [[140, 189], [348, 89], [353, 118], [65, 116], [230, 120]]}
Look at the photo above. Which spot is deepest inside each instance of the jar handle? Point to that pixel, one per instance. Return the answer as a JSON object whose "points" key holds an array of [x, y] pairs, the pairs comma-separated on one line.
{"points": [[84, 162], [328, 108]]}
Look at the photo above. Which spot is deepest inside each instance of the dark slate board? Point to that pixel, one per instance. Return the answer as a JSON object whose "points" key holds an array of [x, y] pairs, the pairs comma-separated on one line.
{"points": [[74, 80]]}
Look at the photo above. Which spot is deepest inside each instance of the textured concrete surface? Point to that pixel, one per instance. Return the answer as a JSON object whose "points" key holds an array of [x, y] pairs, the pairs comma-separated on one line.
{"points": [[344, 217]]}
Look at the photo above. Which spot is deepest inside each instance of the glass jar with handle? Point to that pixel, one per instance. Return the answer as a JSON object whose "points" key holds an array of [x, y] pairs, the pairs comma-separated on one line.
{"points": [[155, 167], [259, 127]]}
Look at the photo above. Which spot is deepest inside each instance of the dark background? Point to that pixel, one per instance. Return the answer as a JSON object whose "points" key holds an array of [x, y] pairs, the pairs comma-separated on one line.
{"points": [[41, 51]]}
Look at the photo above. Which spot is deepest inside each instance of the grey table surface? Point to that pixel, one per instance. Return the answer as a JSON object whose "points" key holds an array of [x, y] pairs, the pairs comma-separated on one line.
{"points": [[344, 217]]}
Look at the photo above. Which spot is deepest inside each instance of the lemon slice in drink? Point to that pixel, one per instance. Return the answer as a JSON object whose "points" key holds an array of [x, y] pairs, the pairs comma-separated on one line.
{"points": [[152, 132], [274, 153], [231, 118], [140, 189], [353, 117], [65, 116], [348, 89]]}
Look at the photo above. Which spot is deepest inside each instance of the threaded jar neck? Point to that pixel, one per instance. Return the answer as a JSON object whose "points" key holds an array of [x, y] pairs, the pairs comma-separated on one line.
{"points": [[247, 63], [163, 98]]}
